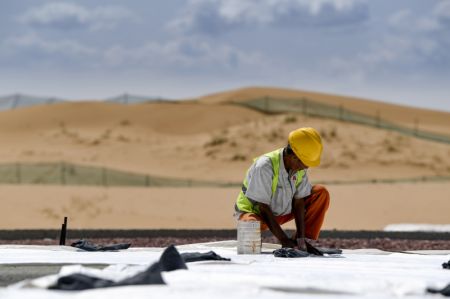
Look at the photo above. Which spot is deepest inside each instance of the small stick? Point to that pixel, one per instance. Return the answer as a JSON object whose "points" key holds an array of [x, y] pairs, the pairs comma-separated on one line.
{"points": [[62, 237]]}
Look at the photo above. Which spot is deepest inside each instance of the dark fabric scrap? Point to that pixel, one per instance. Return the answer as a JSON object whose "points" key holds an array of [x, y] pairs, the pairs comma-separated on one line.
{"points": [[446, 265], [289, 252], [329, 250], [189, 257], [445, 291], [170, 260], [78, 282], [88, 246], [313, 250], [310, 251]]}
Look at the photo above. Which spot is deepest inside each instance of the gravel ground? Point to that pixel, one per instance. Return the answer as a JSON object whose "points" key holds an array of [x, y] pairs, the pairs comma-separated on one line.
{"points": [[379, 243]]}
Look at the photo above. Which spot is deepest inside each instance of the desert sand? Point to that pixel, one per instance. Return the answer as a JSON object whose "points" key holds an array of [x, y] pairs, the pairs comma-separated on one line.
{"points": [[367, 206], [212, 139]]}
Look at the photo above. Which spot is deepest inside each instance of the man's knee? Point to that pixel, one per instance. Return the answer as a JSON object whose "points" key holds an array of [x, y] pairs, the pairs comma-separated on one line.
{"points": [[321, 193]]}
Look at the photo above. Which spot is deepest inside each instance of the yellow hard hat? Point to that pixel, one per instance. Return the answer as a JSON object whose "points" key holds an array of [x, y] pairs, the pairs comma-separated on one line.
{"points": [[307, 145]]}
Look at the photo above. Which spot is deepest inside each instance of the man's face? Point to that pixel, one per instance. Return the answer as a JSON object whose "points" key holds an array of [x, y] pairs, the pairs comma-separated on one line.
{"points": [[296, 163]]}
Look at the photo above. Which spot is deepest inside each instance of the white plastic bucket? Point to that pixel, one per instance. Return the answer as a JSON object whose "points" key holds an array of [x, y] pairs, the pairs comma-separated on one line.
{"points": [[249, 237]]}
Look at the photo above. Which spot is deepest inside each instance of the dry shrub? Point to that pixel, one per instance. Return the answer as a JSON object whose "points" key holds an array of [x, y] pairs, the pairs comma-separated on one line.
{"points": [[124, 122], [290, 119], [328, 134], [106, 134], [333, 132], [390, 145], [274, 135], [211, 153], [94, 142], [350, 154], [238, 157], [123, 138], [215, 141]]}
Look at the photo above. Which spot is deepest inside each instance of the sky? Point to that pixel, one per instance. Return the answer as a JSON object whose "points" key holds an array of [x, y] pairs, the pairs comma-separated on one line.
{"points": [[395, 51]]}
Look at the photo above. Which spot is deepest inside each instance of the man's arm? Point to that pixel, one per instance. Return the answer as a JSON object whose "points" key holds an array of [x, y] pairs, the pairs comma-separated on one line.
{"points": [[298, 209], [268, 217]]}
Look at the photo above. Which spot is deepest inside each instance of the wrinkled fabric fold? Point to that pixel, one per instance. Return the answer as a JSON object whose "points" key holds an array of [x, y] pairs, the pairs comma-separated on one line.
{"points": [[445, 291], [88, 246], [190, 257], [310, 251], [170, 260]]}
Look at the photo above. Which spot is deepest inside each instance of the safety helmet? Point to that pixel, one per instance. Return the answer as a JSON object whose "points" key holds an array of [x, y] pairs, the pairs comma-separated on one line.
{"points": [[307, 145]]}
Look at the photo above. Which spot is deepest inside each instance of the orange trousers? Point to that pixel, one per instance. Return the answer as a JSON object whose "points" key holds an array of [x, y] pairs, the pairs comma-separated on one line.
{"points": [[315, 207]]}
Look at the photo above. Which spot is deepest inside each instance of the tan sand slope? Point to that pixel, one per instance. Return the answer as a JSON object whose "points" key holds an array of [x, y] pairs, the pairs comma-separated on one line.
{"points": [[370, 207], [214, 142], [207, 142], [431, 120], [167, 118]]}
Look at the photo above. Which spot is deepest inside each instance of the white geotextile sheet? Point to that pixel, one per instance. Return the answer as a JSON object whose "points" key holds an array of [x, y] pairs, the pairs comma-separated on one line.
{"points": [[417, 227], [264, 276], [70, 255]]}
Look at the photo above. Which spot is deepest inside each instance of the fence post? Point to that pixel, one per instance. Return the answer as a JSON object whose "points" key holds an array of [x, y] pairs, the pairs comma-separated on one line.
{"points": [[416, 126], [15, 101], [147, 180], [305, 106], [18, 174], [104, 178], [63, 173], [377, 118]]}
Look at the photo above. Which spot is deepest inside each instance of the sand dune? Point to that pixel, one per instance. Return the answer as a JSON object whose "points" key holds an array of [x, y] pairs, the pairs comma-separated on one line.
{"points": [[434, 121], [212, 139], [172, 118], [208, 142], [369, 207]]}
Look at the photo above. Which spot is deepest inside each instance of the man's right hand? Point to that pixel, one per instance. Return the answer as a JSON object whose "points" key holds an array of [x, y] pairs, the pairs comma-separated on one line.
{"points": [[302, 245], [288, 243]]}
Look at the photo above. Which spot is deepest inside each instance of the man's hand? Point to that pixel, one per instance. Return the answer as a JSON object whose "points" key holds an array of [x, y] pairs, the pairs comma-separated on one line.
{"points": [[289, 243], [268, 217], [301, 244], [313, 250]]}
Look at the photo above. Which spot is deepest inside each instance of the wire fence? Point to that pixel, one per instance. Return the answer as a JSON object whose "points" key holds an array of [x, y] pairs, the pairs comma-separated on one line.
{"points": [[313, 108], [71, 174], [19, 100], [80, 175]]}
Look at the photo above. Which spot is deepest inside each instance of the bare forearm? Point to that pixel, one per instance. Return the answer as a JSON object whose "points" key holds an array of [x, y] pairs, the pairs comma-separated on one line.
{"points": [[298, 208], [268, 217]]}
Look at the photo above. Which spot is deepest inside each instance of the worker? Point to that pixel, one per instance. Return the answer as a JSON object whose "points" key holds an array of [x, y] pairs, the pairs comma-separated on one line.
{"points": [[276, 190]]}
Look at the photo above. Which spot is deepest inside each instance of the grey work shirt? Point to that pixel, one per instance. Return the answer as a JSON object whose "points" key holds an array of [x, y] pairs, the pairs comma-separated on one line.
{"points": [[259, 178]]}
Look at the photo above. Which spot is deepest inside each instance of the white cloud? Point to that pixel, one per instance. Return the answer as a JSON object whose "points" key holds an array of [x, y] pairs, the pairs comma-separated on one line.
{"points": [[63, 15], [415, 46], [181, 53], [178, 54], [215, 16], [32, 49], [442, 12]]}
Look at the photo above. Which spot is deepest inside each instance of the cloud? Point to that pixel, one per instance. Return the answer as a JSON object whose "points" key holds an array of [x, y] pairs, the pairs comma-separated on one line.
{"points": [[442, 13], [63, 15], [181, 53], [415, 46], [216, 16], [32, 49], [176, 55]]}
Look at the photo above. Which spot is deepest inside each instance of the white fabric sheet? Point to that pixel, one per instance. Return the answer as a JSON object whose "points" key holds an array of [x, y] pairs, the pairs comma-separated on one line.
{"points": [[368, 273]]}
